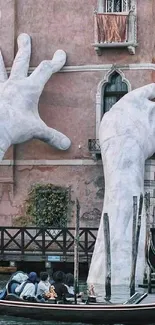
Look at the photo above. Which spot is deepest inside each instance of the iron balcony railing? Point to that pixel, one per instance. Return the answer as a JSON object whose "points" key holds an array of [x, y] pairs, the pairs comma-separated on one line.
{"points": [[94, 146]]}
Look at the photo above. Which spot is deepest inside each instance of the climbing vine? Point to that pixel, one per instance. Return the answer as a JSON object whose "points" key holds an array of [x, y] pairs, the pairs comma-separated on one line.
{"points": [[47, 206]]}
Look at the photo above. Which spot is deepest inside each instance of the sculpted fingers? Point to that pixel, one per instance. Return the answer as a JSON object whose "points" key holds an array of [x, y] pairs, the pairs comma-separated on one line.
{"points": [[52, 136], [147, 92], [58, 139], [3, 73], [46, 68], [21, 62]]}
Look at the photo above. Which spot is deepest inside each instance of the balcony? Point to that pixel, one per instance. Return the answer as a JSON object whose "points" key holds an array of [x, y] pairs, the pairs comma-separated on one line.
{"points": [[115, 30], [94, 146]]}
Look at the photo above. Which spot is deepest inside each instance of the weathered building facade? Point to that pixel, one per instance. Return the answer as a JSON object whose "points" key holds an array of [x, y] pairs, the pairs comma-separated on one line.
{"points": [[110, 51]]}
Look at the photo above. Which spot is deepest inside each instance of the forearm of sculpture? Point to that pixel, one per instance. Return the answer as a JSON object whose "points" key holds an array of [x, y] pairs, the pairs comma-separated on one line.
{"points": [[124, 174], [127, 139]]}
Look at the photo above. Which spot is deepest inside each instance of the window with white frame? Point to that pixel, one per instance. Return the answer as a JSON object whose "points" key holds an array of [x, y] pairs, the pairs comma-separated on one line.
{"points": [[115, 22]]}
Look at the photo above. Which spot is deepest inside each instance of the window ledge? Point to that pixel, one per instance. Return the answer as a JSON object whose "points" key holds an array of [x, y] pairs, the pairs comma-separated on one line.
{"points": [[130, 45]]}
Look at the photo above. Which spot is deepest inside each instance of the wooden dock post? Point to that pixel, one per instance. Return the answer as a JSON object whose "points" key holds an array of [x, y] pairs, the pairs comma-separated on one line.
{"points": [[132, 279], [107, 257], [135, 239], [147, 240], [76, 251]]}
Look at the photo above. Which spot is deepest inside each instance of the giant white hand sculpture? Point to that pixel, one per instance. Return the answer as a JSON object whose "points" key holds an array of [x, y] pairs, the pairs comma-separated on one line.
{"points": [[19, 97], [127, 139]]}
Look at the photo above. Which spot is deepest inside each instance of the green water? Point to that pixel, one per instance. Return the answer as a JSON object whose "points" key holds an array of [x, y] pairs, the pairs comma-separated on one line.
{"points": [[6, 320]]}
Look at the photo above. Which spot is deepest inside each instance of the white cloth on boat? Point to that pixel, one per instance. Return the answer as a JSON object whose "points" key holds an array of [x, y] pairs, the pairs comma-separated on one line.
{"points": [[28, 290], [20, 277], [70, 289], [43, 287]]}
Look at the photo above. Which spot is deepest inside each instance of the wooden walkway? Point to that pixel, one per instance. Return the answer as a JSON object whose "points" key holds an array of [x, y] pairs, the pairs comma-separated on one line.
{"points": [[42, 244]]}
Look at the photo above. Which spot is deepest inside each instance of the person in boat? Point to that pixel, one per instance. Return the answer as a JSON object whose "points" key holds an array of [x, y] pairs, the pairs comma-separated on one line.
{"points": [[69, 283], [58, 289], [43, 285], [16, 279], [27, 290]]}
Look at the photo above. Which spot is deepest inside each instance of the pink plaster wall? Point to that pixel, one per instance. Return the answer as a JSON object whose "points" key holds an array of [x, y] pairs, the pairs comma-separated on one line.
{"points": [[69, 25], [7, 30], [68, 102], [86, 183]]}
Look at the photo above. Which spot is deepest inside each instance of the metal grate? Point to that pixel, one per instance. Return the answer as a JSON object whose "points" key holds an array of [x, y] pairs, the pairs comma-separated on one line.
{"points": [[94, 145], [117, 5]]}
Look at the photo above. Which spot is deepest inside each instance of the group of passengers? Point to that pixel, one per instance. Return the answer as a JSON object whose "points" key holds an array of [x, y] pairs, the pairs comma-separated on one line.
{"points": [[60, 287]]}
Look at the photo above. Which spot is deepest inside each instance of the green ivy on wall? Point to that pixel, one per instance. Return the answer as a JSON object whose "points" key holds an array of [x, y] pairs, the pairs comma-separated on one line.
{"points": [[47, 206]]}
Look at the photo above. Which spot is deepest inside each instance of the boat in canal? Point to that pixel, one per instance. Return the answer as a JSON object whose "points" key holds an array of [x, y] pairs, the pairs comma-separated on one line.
{"points": [[96, 313], [132, 311]]}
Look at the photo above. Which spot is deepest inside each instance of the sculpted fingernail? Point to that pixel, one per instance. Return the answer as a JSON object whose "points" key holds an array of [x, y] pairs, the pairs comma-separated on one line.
{"points": [[23, 39], [65, 143]]}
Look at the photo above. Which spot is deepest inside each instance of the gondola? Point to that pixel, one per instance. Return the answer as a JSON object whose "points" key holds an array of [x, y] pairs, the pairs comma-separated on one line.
{"points": [[85, 313]]}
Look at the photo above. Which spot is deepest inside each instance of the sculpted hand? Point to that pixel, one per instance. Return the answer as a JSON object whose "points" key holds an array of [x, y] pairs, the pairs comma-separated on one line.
{"points": [[127, 139], [19, 97]]}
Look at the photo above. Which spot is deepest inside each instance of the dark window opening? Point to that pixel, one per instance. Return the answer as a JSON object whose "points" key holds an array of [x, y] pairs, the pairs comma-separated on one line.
{"points": [[114, 90], [117, 5]]}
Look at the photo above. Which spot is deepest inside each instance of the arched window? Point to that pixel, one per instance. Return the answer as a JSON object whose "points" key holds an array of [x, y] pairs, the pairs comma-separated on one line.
{"points": [[113, 91], [109, 91]]}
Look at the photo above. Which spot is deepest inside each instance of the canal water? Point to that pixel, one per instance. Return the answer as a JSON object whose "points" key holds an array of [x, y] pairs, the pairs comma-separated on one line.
{"points": [[119, 295]]}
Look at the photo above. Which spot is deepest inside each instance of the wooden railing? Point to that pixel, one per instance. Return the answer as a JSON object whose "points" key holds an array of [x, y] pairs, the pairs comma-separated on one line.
{"points": [[43, 242]]}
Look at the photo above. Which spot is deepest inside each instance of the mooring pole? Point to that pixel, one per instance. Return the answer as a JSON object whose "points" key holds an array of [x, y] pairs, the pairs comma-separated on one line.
{"points": [[132, 279], [107, 257], [135, 239], [147, 211], [76, 251], [147, 240]]}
